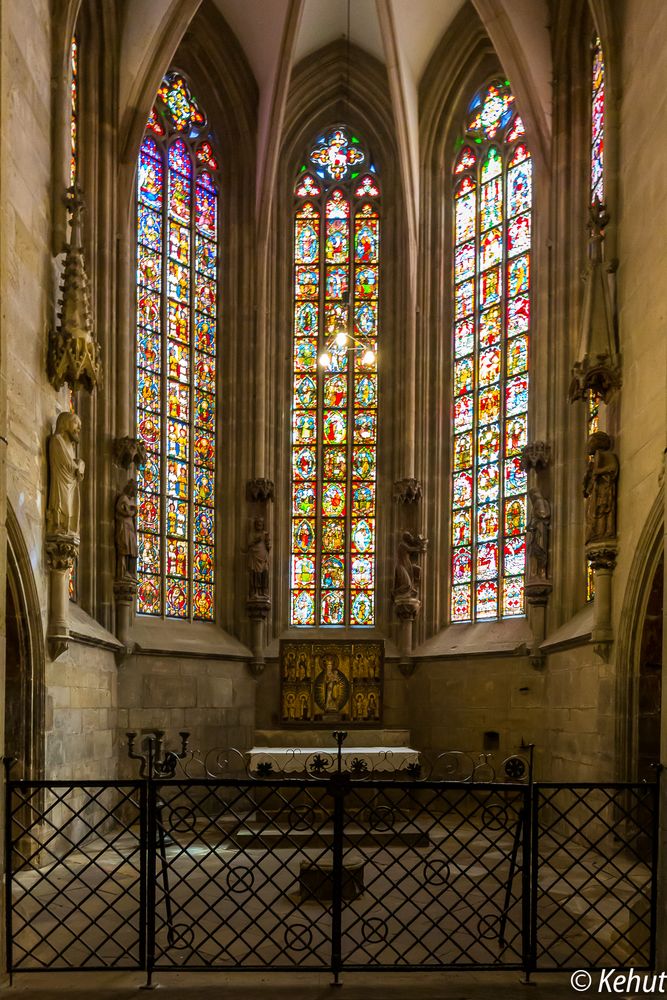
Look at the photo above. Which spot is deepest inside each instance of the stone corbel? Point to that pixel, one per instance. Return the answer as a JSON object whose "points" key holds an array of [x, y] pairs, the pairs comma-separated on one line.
{"points": [[407, 491], [128, 452], [602, 557], [597, 368], [260, 494], [73, 352], [61, 553]]}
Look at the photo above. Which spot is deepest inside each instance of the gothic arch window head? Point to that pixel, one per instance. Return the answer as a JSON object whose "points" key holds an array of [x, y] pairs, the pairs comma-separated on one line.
{"points": [[334, 401], [177, 295], [492, 214]]}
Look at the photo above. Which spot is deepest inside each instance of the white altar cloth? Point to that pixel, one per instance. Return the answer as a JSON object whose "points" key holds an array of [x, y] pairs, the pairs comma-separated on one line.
{"points": [[286, 759]]}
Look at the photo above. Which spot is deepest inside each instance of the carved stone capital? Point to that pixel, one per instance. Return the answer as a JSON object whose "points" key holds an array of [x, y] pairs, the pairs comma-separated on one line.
{"points": [[407, 608], [125, 591], [61, 552], [603, 649], [407, 667], [258, 608], [537, 591], [129, 451], [602, 555], [260, 490], [535, 455], [407, 491]]}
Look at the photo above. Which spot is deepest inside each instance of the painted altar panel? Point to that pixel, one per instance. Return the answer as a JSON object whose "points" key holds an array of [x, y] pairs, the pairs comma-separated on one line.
{"points": [[325, 682]]}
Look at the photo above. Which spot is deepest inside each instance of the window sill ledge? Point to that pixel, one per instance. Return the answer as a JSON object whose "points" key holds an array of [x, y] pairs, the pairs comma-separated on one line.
{"points": [[507, 638], [575, 632], [85, 630], [191, 639]]}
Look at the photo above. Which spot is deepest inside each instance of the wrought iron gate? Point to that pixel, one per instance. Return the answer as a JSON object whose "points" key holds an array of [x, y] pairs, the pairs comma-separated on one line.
{"points": [[341, 870]]}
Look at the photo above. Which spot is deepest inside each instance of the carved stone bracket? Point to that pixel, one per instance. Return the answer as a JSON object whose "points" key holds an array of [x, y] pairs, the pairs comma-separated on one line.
{"points": [[535, 455], [407, 608], [125, 591], [61, 552], [537, 593], [602, 555], [74, 353], [128, 451], [260, 491], [407, 491]]}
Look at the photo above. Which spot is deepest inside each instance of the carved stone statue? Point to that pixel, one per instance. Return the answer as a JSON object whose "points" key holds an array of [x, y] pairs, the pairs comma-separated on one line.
{"points": [[407, 573], [257, 550], [126, 532], [65, 474], [537, 534], [600, 489]]}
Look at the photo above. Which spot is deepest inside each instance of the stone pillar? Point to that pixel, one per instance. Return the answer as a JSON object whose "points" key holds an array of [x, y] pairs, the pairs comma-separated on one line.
{"points": [[260, 494], [61, 553], [602, 557]]}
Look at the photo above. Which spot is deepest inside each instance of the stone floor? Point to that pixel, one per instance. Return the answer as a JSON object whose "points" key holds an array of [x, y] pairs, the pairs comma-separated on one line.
{"points": [[279, 986]]}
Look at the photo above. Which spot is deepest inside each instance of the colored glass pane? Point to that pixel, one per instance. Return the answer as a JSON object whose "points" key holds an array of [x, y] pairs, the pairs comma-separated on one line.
{"points": [[336, 254], [74, 111], [492, 249], [597, 124], [175, 380]]}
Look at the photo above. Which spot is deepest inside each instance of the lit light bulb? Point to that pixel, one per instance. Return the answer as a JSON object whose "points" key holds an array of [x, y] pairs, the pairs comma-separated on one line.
{"points": [[341, 339], [325, 359], [368, 357]]}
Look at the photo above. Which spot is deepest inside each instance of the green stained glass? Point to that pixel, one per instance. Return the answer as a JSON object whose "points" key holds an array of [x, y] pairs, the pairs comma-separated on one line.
{"points": [[334, 463]]}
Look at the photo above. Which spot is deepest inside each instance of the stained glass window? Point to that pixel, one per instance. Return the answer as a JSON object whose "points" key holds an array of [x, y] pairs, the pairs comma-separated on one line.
{"points": [[74, 111], [177, 297], [334, 403], [597, 194], [597, 124], [492, 215]]}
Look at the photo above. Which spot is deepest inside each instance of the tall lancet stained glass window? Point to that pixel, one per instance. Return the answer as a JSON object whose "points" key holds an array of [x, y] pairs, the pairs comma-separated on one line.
{"points": [[492, 217], [334, 400], [177, 297]]}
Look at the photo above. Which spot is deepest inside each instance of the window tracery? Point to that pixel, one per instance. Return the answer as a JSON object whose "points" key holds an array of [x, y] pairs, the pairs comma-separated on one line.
{"points": [[177, 274], [492, 212]]}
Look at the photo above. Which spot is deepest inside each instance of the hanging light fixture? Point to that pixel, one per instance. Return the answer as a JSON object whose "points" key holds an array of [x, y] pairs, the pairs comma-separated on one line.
{"points": [[341, 332]]}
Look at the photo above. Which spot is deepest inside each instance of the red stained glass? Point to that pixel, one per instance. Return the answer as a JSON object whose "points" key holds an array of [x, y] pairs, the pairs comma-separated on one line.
{"points": [[150, 175], [518, 235], [307, 187], [464, 263], [306, 241], [488, 443], [303, 572], [465, 216], [334, 463], [516, 131], [180, 105], [333, 500], [304, 500], [149, 595], [515, 516], [463, 413], [466, 160], [489, 288], [487, 561], [462, 489], [492, 111], [597, 124], [517, 355], [179, 243], [492, 248], [176, 599], [363, 536], [333, 607], [205, 155], [518, 315], [74, 111], [367, 188], [464, 338], [303, 536], [464, 299], [491, 210], [463, 376], [333, 535], [206, 208], [486, 600], [520, 188], [463, 451], [461, 527], [362, 608], [461, 604], [488, 483], [513, 603], [333, 572], [461, 566], [514, 556], [336, 153], [487, 522], [489, 327]]}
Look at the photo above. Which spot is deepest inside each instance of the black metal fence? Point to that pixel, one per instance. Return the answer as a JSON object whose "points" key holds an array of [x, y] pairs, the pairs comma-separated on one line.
{"points": [[435, 869]]}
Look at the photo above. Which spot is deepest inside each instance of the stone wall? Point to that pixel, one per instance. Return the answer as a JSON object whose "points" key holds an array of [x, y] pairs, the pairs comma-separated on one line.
{"points": [[81, 714], [214, 700]]}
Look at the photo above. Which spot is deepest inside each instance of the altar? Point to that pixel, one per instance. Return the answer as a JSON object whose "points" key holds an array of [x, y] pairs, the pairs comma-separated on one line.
{"points": [[380, 750]]}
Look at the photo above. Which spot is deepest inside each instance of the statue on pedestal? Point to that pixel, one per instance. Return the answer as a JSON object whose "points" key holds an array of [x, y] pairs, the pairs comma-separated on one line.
{"points": [[600, 489], [257, 551], [126, 532], [407, 572], [537, 535], [65, 474]]}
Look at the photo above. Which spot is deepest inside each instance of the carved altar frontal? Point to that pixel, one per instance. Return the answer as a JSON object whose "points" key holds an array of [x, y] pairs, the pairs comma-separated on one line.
{"points": [[325, 682]]}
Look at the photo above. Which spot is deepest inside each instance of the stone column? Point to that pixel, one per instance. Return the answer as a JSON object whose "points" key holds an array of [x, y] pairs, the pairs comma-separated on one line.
{"points": [[260, 494], [61, 553], [602, 557]]}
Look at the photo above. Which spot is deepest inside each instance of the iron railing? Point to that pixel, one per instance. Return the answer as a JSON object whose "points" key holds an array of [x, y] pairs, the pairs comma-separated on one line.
{"points": [[447, 865]]}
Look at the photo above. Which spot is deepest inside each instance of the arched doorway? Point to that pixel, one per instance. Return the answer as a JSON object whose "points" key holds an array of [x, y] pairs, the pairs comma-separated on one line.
{"points": [[650, 678], [24, 661]]}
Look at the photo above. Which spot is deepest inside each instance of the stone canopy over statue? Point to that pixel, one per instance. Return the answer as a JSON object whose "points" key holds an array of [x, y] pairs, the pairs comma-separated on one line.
{"points": [[65, 474]]}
